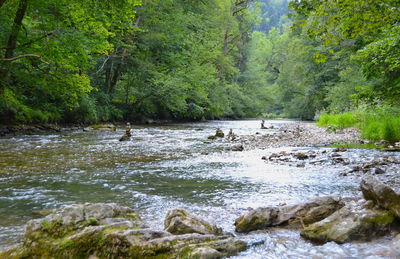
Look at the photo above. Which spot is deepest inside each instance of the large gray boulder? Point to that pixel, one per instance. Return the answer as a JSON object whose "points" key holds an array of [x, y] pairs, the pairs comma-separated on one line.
{"points": [[179, 221], [293, 215], [381, 194], [355, 221], [112, 231]]}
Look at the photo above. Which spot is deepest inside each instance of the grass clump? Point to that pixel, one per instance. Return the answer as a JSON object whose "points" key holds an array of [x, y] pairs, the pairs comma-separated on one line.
{"points": [[342, 120], [385, 127], [375, 124]]}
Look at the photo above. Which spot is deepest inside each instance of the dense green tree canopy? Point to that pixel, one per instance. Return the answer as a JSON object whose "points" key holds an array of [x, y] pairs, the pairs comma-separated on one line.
{"points": [[86, 61], [106, 60]]}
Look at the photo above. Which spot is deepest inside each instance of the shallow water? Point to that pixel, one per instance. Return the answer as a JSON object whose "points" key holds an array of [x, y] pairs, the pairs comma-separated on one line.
{"points": [[164, 167]]}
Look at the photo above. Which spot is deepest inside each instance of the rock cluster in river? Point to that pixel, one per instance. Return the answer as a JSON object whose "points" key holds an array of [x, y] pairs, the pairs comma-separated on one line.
{"points": [[360, 220], [352, 164], [330, 219], [300, 135], [107, 230]]}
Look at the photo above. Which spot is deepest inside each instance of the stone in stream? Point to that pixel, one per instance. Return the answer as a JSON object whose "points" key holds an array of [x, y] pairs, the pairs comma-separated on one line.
{"points": [[125, 138], [293, 215], [301, 156], [237, 147], [377, 170], [128, 133], [104, 230], [381, 194], [179, 221], [355, 221], [219, 133]]}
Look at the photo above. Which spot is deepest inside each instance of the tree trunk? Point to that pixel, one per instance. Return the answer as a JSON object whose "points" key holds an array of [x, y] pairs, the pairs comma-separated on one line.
{"points": [[12, 40]]}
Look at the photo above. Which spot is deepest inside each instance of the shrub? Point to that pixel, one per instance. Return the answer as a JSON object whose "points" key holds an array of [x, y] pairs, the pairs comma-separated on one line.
{"points": [[342, 120], [376, 127], [377, 124]]}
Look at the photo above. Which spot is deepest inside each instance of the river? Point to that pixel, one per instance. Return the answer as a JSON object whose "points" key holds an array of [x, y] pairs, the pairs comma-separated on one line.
{"points": [[165, 167]]}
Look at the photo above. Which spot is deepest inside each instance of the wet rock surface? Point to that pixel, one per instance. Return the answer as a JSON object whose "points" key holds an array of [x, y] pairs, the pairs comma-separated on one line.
{"points": [[102, 230], [179, 221], [355, 221], [292, 215], [381, 194], [361, 220]]}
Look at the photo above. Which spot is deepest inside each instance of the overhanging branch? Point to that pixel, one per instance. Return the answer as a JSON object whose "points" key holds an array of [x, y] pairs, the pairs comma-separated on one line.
{"points": [[24, 56]]}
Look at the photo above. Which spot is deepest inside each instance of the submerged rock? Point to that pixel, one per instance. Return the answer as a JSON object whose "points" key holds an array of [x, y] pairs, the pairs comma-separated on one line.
{"points": [[237, 147], [352, 222], [301, 156], [179, 221], [381, 194], [125, 138], [104, 127], [112, 231], [293, 215]]}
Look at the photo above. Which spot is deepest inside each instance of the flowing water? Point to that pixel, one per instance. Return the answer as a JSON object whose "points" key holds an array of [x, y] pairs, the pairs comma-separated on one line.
{"points": [[165, 167]]}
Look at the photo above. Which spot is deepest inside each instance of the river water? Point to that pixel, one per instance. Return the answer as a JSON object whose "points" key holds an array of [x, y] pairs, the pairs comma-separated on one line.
{"points": [[162, 168]]}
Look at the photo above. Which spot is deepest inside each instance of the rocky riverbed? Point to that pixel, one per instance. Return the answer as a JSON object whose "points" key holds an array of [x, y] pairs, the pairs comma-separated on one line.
{"points": [[310, 137], [300, 135], [286, 176]]}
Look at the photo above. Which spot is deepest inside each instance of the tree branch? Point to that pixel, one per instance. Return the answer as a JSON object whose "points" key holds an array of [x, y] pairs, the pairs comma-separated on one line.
{"points": [[25, 56]]}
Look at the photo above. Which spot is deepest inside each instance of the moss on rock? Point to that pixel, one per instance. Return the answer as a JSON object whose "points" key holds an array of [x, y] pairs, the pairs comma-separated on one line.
{"points": [[82, 231]]}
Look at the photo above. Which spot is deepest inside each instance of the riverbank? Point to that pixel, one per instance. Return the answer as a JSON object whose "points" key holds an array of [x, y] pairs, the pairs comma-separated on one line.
{"points": [[29, 129]]}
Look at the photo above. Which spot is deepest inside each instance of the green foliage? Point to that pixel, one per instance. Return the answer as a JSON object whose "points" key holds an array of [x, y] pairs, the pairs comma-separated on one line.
{"points": [[374, 123], [92, 61], [378, 127], [342, 120], [368, 31], [64, 37]]}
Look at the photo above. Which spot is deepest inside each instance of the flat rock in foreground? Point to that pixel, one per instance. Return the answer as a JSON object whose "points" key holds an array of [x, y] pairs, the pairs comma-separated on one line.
{"points": [[293, 215], [112, 231]]}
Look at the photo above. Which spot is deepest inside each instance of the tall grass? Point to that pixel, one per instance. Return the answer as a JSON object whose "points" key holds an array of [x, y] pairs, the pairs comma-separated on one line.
{"points": [[342, 120], [374, 125], [385, 127]]}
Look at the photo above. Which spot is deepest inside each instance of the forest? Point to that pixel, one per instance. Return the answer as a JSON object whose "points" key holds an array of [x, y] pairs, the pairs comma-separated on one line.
{"points": [[92, 61]]}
